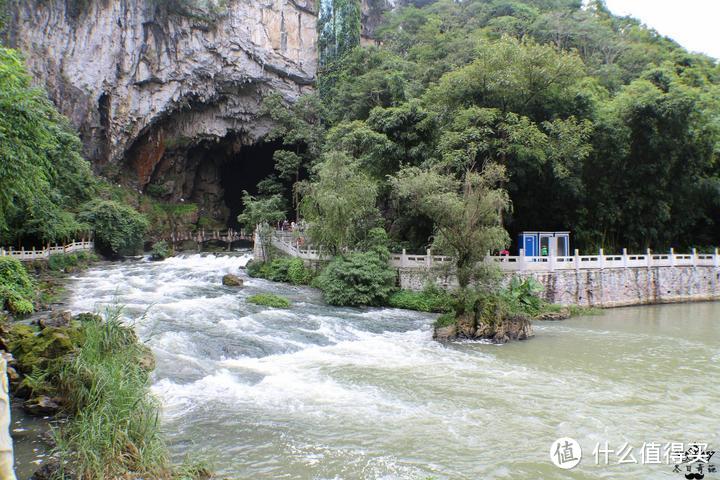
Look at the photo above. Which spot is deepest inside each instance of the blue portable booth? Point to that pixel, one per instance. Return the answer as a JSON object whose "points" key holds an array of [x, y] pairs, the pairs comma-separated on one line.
{"points": [[538, 244]]}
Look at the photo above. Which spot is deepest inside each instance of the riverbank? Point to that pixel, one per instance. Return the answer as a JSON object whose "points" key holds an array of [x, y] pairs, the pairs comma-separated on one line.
{"points": [[87, 379]]}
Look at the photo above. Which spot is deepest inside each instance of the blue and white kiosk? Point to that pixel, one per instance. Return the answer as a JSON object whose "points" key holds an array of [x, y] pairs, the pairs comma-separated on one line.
{"points": [[538, 244]]}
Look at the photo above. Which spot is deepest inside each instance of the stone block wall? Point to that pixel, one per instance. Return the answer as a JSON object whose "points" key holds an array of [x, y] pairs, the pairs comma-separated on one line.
{"points": [[604, 288]]}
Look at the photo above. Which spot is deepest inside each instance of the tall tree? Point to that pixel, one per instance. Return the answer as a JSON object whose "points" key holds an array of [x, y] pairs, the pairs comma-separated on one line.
{"points": [[339, 204], [466, 213]]}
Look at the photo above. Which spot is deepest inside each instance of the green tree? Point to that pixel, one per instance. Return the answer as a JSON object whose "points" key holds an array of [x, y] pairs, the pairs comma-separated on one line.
{"points": [[339, 28], [260, 215], [117, 228], [467, 213], [339, 204], [42, 174]]}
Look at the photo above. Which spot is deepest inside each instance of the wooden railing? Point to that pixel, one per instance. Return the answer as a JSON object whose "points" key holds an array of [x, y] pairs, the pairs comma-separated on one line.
{"points": [[34, 254], [291, 245]]}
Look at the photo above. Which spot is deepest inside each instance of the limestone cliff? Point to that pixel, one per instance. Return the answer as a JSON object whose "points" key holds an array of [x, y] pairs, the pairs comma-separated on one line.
{"points": [[147, 81]]}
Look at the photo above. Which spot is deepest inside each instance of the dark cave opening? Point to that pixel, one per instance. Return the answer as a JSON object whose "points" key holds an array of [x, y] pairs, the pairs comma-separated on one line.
{"points": [[243, 171]]}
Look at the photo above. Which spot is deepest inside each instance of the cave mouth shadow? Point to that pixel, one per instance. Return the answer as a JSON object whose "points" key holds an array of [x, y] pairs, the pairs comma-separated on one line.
{"points": [[243, 170]]}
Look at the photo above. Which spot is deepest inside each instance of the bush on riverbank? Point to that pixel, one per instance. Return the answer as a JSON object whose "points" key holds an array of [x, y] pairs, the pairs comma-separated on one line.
{"points": [[283, 269], [17, 290], [117, 228], [269, 300], [360, 278], [69, 262], [431, 299], [160, 251]]}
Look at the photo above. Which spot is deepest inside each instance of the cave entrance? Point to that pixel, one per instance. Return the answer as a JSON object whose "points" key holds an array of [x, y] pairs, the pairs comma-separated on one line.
{"points": [[243, 171]]}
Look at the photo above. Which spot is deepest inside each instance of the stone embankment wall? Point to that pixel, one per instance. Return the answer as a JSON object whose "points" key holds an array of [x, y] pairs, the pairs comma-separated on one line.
{"points": [[613, 287]]}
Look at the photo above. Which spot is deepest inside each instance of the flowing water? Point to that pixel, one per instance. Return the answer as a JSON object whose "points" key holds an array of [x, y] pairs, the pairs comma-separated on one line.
{"points": [[316, 392]]}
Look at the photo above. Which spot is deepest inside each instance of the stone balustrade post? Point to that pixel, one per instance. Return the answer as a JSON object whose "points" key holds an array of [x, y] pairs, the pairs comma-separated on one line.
{"points": [[694, 257], [716, 258], [551, 261], [672, 257], [649, 258], [577, 259], [523, 259], [428, 258], [403, 259], [625, 257], [601, 258], [7, 472]]}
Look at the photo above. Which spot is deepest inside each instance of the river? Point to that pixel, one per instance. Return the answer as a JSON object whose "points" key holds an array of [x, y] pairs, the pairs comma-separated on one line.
{"points": [[317, 392]]}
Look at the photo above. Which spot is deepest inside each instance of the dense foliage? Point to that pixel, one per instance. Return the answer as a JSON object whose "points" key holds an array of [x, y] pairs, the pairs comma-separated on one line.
{"points": [[43, 177], [360, 278], [17, 290], [117, 228], [160, 251], [430, 299], [283, 269], [603, 127]]}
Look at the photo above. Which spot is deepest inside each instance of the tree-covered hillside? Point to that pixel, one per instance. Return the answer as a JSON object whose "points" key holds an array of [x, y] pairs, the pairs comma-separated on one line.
{"points": [[605, 128]]}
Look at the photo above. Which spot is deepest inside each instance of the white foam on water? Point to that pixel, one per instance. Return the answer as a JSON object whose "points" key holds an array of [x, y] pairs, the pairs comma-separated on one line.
{"points": [[354, 394]]}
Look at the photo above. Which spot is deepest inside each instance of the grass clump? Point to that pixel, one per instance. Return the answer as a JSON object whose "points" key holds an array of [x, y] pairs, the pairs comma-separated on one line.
{"points": [[269, 300], [445, 320], [431, 299], [17, 290], [114, 429], [288, 270]]}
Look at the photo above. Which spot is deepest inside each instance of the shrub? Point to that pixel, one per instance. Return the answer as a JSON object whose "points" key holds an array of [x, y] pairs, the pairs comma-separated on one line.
{"points": [[431, 299], [160, 250], [17, 290], [288, 270], [118, 228], [269, 300], [521, 296], [63, 262], [357, 279]]}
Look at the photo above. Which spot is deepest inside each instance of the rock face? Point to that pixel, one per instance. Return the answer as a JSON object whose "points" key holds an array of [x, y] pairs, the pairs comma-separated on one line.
{"points": [[151, 85]]}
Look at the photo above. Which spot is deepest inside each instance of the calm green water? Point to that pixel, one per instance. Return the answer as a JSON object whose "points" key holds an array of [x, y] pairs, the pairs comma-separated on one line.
{"points": [[315, 392]]}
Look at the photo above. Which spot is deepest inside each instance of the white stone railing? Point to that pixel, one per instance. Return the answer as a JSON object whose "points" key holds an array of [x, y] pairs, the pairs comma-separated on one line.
{"points": [[34, 254], [602, 261], [290, 244]]}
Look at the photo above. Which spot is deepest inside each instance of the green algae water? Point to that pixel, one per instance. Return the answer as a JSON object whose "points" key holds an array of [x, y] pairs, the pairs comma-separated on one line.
{"points": [[318, 392]]}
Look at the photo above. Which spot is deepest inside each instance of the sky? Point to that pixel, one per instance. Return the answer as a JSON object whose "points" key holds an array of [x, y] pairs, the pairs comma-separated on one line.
{"points": [[694, 24]]}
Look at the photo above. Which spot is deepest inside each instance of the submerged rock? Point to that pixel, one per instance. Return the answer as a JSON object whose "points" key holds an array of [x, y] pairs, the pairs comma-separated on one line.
{"points": [[231, 280]]}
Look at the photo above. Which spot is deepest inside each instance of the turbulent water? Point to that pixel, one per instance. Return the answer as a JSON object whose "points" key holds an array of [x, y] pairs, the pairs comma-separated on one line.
{"points": [[315, 392]]}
